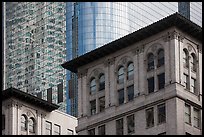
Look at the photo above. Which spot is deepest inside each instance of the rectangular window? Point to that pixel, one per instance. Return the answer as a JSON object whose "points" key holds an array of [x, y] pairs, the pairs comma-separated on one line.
{"points": [[93, 106], [150, 84], [119, 126], [70, 132], [187, 113], [121, 96], [101, 130], [161, 113], [48, 128], [193, 82], [56, 129], [91, 131], [130, 90], [131, 124], [101, 104], [185, 81], [150, 117], [161, 80], [196, 116]]}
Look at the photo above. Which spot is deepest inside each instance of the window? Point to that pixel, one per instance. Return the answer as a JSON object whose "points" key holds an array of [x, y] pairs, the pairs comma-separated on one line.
{"points": [[150, 84], [130, 90], [101, 104], [185, 81], [56, 129], [48, 128], [150, 117], [187, 114], [193, 62], [161, 113], [130, 73], [3, 121], [102, 82], [130, 124], [193, 82], [23, 122], [119, 126], [32, 125], [93, 106], [121, 96], [101, 130], [185, 58], [91, 131], [196, 118], [160, 58], [93, 86], [161, 80], [70, 132], [121, 75], [150, 62]]}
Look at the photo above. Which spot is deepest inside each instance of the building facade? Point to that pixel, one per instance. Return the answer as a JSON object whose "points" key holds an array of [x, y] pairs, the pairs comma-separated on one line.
{"points": [[89, 25], [34, 49], [24, 114], [146, 83]]}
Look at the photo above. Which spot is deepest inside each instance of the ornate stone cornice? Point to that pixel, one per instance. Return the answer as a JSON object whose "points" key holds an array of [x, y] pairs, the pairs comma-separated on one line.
{"points": [[173, 35], [82, 73], [109, 61], [138, 50]]}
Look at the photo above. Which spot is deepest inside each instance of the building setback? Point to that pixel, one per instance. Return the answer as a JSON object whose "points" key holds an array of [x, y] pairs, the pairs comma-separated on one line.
{"points": [[25, 114], [145, 83]]}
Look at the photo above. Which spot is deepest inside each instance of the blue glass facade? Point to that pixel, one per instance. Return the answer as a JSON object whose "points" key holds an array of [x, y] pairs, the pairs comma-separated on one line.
{"points": [[92, 24]]}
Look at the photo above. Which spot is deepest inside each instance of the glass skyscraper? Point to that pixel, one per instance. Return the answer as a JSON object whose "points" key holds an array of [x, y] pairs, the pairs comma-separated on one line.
{"points": [[90, 25], [35, 47]]}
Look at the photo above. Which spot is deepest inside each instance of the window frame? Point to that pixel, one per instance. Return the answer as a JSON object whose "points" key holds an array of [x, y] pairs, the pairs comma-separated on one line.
{"points": [[31, 126], [149, 123], [121, 75], [48, 129], [130, 71], [90, 131], [196, 118], [130, 92], [101, 82], [59, 131], [119, 126], [151, 84], [24, 123], [161, 81], [93, 107], [93, 86], [131, 122], [150, 61], [188, 115], [121, 96], [102, 130], [160, 60], [161, 115]]}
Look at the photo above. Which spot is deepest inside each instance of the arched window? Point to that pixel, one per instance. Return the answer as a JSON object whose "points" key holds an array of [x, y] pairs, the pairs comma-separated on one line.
{"points": [[121, 74], [32, 125], [160, 58], [93, 86], [101, 82], [23, 122], [130, 71], [193, 62], [150, 62], [185, 58]]}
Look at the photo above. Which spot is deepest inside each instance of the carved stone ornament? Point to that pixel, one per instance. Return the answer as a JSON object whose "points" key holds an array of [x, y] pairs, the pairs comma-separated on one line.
{"points": [[154, 48], [189, 48], [96, 73], [124, 60]]}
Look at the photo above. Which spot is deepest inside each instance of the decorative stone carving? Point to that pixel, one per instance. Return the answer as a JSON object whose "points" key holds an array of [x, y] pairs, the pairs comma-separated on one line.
{"points": [[96, 73], [172, 35], [124, 60], [189, 47], [154, 48]]}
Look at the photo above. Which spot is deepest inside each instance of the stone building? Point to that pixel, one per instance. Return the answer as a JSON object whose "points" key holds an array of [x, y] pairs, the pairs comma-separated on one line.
{"points": [[25, 114], [146, 83]]}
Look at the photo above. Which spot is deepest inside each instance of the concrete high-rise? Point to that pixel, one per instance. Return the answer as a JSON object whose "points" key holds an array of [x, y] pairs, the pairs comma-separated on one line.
{"points": [[35, 48], [89, 25]]}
